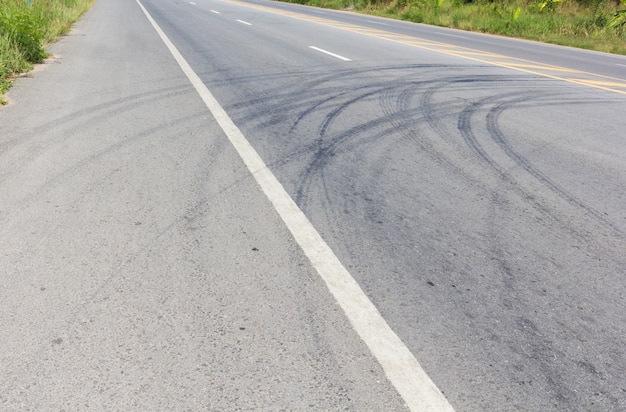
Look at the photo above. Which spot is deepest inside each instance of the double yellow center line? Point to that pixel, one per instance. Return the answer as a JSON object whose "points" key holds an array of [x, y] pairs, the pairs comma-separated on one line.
{"points": [[610, 84]]}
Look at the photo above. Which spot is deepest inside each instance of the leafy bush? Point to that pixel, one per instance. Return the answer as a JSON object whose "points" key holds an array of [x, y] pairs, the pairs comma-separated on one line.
{"points": [[12, 60], [619, 19], [22, 28]]}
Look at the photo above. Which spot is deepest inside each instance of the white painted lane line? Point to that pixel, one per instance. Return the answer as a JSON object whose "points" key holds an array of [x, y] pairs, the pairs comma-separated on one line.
{"points": [[330, 54], [377, 22], [452, 35], [215, 11], [245, 22], [399, 364], [623, 65], [192, 3]]}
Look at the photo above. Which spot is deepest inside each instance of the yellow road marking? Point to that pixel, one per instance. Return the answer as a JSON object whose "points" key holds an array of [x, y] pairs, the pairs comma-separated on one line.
{"points": [[542, 67], [601, 83], [596, 81]]}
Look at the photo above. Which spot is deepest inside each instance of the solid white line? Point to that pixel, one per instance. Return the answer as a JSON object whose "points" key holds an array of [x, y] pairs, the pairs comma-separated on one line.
{"points": [[245, 22], [330, 54], [215, 11], [399, 364]]}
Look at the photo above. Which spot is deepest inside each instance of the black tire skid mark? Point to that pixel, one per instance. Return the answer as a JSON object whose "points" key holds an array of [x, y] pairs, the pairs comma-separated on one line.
{"points": [[536, 347], [283, 101], [533, 335], [404, 104], [307, 149], [325, 151], [430, 110], [465, 128], [90, 114], [531, 345], [312, 109], [399, 115], [434, 114], [308, 95], [76, 168], [300, 89], [280, 100], [498, 136], [84, 117]]}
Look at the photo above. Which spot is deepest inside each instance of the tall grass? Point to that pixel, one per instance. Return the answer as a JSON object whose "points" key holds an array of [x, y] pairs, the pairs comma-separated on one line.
{"points": [[591, 24], [25, 32]]}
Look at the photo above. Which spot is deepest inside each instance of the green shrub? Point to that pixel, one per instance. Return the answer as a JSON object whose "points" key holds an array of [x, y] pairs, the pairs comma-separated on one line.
{"points": [[22, 28], [25, 31], [11, 58], [412, 14], [619, 18]]}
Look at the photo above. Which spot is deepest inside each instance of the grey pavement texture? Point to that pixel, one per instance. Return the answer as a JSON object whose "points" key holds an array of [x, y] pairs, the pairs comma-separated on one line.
{"points": [[482, 209], [140, 266]]}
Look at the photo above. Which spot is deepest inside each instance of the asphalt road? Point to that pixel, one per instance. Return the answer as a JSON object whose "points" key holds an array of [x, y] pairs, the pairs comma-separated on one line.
{"points": [[473, 186]]}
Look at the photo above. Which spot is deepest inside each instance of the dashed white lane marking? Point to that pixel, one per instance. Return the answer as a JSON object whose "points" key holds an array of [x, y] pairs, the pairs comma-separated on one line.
{"points": [[192, 3], [245, 22], [215, 11], [452, 35], [330, 54], [399, 364]]}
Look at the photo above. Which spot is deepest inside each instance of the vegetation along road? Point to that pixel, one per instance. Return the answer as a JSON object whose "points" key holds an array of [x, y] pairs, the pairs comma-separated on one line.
{"points": [[251, 205]]}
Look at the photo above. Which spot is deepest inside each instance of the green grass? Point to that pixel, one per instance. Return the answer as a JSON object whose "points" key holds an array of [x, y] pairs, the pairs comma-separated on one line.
{"points": [[591, 24], [26, 31]]}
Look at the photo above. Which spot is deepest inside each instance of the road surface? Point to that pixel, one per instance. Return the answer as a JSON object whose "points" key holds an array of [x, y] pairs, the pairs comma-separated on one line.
{"points": [[248, 205]]}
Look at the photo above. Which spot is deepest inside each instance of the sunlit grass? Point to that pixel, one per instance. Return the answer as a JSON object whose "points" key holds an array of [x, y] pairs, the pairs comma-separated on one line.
{"points": [[25, 32], [582, 23]]}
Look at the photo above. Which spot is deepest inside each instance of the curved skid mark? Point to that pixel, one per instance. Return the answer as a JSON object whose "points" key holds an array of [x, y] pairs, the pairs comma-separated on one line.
{"points": [[92, 113], [390, 117], [279, 102], [498, 136], [429, 110], [77, 167], [326, 151], [434, 113], [465, 127], [402, 117], [314, 108]]}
